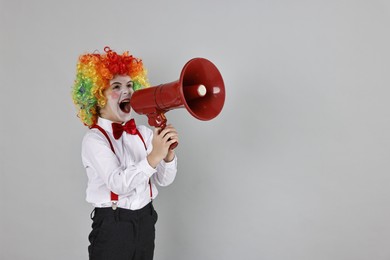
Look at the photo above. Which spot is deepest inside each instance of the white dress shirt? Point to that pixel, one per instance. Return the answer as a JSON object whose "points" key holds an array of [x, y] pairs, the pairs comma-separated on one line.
{"points": [[126, 172]]}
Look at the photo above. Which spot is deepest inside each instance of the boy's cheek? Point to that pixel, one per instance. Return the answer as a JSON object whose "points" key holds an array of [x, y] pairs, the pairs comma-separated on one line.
{"points": [[114, 95]]}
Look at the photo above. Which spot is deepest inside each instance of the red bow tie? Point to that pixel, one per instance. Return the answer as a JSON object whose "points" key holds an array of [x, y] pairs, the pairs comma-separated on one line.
{"points": [[129, 127]]}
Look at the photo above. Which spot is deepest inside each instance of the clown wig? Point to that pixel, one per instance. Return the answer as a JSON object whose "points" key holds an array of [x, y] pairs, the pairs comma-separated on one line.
{"points": [[94, 72]]}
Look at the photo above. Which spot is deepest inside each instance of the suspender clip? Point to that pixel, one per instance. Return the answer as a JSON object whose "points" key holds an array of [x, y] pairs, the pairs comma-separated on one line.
{"points": [[114, 205]]}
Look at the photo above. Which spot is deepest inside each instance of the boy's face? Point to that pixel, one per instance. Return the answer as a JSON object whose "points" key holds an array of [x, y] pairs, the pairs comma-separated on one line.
{"points": [[117, 108]]}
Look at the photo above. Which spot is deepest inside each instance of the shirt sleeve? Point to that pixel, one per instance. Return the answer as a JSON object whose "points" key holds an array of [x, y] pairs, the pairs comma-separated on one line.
{"points": [[97, 154], [166, 172]]}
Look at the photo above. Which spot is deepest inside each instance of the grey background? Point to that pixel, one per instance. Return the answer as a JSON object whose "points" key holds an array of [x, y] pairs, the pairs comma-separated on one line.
{"points": [[295, 167]]}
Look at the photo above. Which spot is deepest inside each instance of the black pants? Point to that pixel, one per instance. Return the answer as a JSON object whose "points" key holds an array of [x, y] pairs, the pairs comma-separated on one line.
{"points": [[123, 234]]}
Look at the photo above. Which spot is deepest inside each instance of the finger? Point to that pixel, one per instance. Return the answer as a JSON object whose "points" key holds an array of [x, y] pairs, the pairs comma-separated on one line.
{"points": [[169, 143], [170, 127], [166, 138], [157, 130], [170, 135], [163, 132], [174, 136], [167, 131], [175, 140]]}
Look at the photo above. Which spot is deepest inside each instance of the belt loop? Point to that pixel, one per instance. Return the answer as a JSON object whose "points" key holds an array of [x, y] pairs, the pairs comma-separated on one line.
{"points": [[116, 215]]}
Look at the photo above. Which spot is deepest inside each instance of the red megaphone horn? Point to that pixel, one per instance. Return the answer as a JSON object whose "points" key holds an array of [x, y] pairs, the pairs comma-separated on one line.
{"points": [[200, 89]]}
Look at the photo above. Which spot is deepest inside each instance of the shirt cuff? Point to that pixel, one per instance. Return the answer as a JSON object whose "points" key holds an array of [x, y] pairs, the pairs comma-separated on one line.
{"points": [[170, 164], [146, 168]]}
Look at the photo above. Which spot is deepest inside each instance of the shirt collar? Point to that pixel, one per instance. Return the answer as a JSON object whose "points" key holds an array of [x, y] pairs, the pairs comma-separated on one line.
{"points": [[105, 124]]}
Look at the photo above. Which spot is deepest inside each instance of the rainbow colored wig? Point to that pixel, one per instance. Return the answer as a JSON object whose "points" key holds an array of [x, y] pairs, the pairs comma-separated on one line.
{"points": [[94, 72]]}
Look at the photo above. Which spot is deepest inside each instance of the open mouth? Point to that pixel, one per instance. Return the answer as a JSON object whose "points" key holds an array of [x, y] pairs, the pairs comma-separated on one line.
{"points": [[124, 105]]}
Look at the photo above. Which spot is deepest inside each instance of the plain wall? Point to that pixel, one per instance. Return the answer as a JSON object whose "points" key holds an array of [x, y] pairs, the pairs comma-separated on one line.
{"points": [[295, 167]]}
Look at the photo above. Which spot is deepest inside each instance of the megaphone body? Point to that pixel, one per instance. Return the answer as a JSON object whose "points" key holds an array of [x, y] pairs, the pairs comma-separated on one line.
{"points": [[200, 89]]}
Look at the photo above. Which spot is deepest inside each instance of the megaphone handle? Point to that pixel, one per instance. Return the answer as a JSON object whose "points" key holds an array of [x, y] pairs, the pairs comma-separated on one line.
{"points": [[173, 146], [159, 120]]}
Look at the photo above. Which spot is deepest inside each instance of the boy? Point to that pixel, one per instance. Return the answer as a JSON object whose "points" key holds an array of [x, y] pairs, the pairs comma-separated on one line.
{"points": [[124, 162]]}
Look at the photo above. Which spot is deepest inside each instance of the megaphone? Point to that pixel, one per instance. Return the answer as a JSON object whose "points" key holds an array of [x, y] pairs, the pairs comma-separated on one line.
{"points": [[200, 90]]}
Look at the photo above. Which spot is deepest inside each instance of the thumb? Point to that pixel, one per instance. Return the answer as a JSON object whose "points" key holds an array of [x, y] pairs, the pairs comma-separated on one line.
{"points": [[157, 130]]}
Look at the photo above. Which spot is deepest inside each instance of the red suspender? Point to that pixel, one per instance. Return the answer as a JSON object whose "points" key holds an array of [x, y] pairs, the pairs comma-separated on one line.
{"points": [[114, 197], [106, 135]]}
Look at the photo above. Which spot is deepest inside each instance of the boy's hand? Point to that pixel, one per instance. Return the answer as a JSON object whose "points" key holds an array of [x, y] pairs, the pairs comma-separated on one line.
{"points": [[162, 140]]}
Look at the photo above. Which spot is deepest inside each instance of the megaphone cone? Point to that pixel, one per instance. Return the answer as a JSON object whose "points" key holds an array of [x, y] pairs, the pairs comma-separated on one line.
{"points": [[200, 89]]}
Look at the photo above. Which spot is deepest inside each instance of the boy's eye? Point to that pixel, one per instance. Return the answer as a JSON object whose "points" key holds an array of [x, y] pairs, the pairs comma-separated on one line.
{"points": [[130, 84], [115, 87]]}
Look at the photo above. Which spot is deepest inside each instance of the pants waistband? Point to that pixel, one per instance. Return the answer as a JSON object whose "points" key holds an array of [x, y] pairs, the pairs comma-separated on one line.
{"points": [[122, 213]]}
